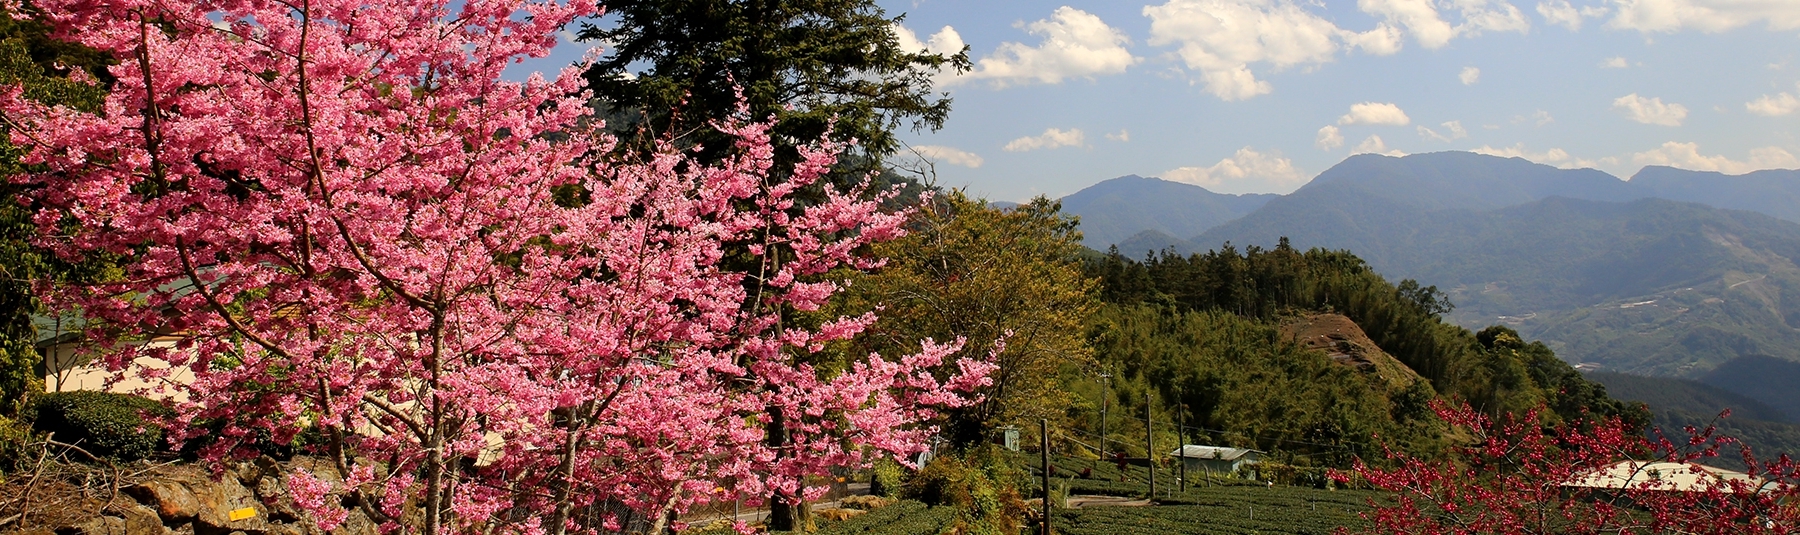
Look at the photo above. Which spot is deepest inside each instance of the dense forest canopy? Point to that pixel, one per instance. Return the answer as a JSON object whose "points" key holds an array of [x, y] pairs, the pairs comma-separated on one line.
{"points": [[1202, 333]]}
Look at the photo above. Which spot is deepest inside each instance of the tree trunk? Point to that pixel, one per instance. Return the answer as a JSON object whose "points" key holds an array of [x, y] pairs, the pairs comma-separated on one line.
{"points": [[784, 512]]}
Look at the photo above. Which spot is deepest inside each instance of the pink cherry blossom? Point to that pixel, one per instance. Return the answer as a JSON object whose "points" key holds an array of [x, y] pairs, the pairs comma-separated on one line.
{"points": [[359, 226]]}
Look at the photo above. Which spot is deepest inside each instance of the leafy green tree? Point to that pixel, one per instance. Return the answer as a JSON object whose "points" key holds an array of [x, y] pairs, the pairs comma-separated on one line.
{"points": [[813, 64], [40, 66], [988, 274]]}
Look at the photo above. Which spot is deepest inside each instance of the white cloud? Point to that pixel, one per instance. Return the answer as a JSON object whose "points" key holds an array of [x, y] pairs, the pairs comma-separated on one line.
{"points": [[949, 155], [1615, 62], [1453, 130], [1774, 106], [1050, 139], [1374, 145], [1704, 15], [945, 41], [1469, 75], [1650, 110], [1223, 38], [1427, 26], [1247, 171], [1560, 13], [1419, 17], [1540, 117], [1490, 16], [1376, 113], [1076, 44], [1554, 156], [1687, 156], [1329, 138], [1124, 136]]}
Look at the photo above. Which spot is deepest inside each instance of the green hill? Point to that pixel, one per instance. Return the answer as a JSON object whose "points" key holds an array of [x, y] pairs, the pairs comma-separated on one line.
{"points": [[1767, 379], [1687, 396], [1647, 286]]}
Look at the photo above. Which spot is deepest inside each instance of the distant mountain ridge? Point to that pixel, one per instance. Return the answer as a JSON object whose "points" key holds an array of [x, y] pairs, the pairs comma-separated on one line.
{"points": [[1667, 274], [1775, 192], [1116, 209]]}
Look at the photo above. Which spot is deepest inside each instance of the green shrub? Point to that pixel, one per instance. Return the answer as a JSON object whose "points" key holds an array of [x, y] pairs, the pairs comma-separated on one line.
{"points": [[886, 478], [14, 435], [103, 423]]}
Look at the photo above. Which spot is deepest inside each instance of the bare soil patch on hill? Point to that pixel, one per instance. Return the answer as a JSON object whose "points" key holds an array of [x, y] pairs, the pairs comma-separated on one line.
{"points": [[1342, 340]]}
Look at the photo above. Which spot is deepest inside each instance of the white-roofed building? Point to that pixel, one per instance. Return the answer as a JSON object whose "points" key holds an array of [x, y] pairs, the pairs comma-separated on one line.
{"points": [[1219, 459], [1662, 475]]}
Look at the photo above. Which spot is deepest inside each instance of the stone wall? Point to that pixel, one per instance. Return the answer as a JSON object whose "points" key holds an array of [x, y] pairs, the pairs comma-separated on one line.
{"points": [[248, 498]]}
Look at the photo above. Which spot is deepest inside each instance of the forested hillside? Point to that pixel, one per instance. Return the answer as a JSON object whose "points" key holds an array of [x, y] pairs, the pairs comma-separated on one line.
{"points": [[1204, 332], [1646, 286], [1679, 403]]}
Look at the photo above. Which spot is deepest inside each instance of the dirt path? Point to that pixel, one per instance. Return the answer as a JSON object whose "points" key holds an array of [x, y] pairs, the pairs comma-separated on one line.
{"points": [[1083, 500]]}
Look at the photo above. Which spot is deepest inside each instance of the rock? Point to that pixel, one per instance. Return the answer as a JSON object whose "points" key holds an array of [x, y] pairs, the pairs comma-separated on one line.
{"points": [[286, 529], [172, 500], [357, 524], [141, 520], [100, 525], [218, 499]]}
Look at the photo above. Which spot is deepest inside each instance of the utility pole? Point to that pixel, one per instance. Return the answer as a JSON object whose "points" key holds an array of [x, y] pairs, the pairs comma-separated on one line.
{"points": [[1105, 393], [1181, 436], [1044, 449], [1149, 446]]}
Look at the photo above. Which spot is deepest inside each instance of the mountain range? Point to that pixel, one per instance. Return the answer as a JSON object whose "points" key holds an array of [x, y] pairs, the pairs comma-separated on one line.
{"points": [[1671, 273]]}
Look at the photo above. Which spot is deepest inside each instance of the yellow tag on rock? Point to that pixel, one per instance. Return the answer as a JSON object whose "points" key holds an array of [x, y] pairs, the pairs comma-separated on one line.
{"points": [[240, 514]]}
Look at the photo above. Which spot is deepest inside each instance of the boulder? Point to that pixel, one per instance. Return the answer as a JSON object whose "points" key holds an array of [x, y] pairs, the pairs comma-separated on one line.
{"points": [[141, 520], [100, 525], [357, 524], [218, 499], [172, 500]]}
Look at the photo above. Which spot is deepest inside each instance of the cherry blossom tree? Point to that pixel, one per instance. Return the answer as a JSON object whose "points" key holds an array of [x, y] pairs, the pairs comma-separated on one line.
{"points": [[359, 227], [1522, 474]]}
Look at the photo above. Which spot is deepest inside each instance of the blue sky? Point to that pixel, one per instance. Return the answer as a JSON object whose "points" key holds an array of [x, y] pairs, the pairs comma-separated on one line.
{"points": [[1245, 96]]}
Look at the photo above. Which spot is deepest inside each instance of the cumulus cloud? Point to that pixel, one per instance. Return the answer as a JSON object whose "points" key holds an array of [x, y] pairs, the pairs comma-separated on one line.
{"points": [[945, 41], [1374, 145], [1222, 38], [1469, 75], [1452, 130], [1429, 27], [1124, 136], [1650, 110], [1050, 139], [1246, 171], [1687, 156], [1560, 13], [949, 155], [1375, 113], [1615, 62], [1554, 156], [1704, 15], [1329, 138], [1076, 44], [1774, 106]]}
